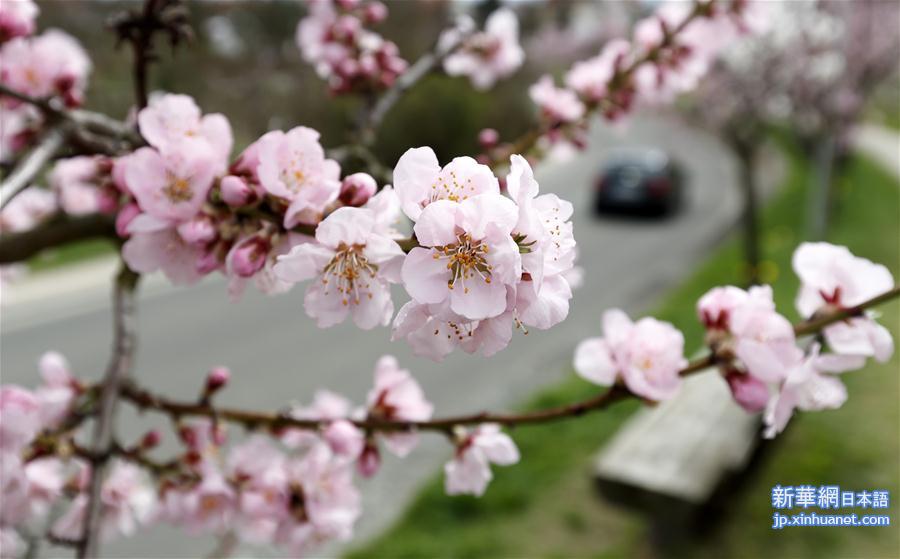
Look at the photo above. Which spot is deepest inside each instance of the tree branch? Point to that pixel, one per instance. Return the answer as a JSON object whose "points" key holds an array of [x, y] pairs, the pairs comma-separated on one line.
{"points": [[252, 419], [23, 175], [57, 231], [117, 372], [421, 68]]}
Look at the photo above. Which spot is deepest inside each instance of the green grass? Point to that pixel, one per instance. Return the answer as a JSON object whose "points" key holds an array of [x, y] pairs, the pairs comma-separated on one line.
{"points": [[70, 254], [546, 506]]}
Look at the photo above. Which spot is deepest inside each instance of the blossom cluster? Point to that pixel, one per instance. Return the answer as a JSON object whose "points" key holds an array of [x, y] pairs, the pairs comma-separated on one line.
{"points": [[652, 68], [50, 65], [295, 489], [757, 352], [333, 38], [485, 56]]}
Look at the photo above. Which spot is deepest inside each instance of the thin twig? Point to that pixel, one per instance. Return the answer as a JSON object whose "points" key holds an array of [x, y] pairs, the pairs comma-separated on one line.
{"points": [[252, 419], [420, 68], [28, 169], [117, 372]]}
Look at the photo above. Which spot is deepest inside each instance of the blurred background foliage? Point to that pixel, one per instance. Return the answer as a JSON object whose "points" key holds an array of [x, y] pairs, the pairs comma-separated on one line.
{"points": [[245, 63]]}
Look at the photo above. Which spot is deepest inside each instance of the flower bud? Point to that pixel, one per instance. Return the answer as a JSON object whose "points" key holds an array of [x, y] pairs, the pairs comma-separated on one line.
{"points": [[356, 189], [126, 215], [217, 378], [235, 192], [369, 461], [198, 231], [749, 392], [248, 256], [488, 138], [208, 262], [375, 12], [150, 440], [107, 199]]}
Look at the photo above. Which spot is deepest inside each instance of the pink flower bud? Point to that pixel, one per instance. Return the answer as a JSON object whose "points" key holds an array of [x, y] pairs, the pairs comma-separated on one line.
{"points": [[749, 392], [126, 215], [248, 256], [348, 4], [344, 438], [151, 440], [235, 191], [346, 27], [357, 189], [217, 378], [208, 262], [375, 12], [488, 138], [348, 68], [107, 200], [198, 231], [369, 461]]}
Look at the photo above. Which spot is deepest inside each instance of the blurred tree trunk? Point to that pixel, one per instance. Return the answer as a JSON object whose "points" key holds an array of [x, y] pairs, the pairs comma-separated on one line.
{"points": [[746, 155], [819, 195]]}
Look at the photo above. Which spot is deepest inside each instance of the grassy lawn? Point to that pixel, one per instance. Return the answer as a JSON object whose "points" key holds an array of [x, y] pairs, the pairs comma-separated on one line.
{"points": [[546, 506]]}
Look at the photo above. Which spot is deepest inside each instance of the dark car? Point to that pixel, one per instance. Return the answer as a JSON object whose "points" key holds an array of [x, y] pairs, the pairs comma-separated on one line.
{"points": [[644, 181]]}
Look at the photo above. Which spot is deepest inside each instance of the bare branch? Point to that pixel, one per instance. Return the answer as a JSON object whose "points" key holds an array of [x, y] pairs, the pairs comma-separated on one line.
{"points": [[57, 231], [117, 372], [23, 175], [252, 419], [421, 68]]}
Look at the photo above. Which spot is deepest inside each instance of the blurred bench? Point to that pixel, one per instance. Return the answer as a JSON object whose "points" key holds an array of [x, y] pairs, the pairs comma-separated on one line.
{"points": [[675, 461]]}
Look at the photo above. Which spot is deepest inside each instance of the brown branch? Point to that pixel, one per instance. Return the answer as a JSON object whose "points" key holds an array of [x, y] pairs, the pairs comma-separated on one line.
{"points": [[56, 231], [117, 372], [120, 137], [421, 68], [252, 419], [28, 169]]}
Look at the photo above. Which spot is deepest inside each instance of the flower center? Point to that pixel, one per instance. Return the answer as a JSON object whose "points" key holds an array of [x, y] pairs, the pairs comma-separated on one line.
{"points": [[451, 188], [178, 190], [466, 259], [351, 273]]}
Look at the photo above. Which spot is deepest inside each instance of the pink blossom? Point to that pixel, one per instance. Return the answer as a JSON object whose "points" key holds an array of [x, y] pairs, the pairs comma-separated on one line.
{"points": [[27, 209], [293, 166], [200, 230], [17, 18], [833, 278], [434, 331], [258, 468], [717, 305], [764, 340], [53, 63], [469, 472], [590, 78], [248, 256], [807, 388], [647, 355], [558, 105], [353, 263], [20, 419], [344, 438], [419, 180], [59, 390], [466, 256], [210, 506], [45, 482], [397, 396], [75, 182], [128, 501], [171, 121], [323, 502], [11, 543], [170, 186], [124, 218], [491, 54], [18, 126], [154, 246]]}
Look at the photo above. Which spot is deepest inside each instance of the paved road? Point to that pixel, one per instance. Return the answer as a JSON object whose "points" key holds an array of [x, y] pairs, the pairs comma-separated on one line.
{"points": [[277, 354]]}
